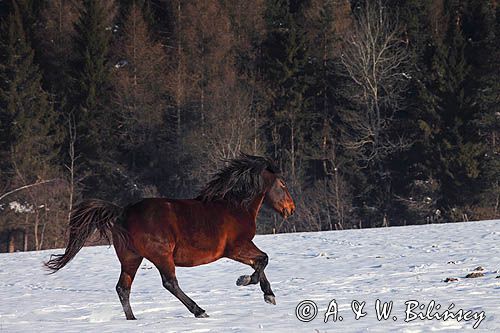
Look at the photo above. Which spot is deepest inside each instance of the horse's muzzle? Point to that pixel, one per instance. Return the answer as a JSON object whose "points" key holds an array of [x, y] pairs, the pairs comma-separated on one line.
{"points": [[287, 212]]}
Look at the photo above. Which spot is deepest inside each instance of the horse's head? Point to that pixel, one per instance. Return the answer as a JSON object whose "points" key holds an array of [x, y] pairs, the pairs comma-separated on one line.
{"points": [[277, 195], [247, 178]]}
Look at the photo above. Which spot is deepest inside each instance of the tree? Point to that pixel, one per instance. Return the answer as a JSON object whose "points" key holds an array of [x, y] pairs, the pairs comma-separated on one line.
{"points": [[449, 147], [90, 88], [140, 98], [248, 28], [330, 164], [481, 26], [178, 70], [29, 135], [457, 150], [216, 103], [53, 38], [284, 60], [375, 60], [412, 187]]}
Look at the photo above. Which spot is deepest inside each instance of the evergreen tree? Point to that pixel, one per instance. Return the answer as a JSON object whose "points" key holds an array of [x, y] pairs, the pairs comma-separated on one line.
{"points": [[28, 134], [330, 163], [90, 74], [284, 64], [145, 7], [418, 118], [482, 29], [449, 143], [54, 38], [91, 70]]}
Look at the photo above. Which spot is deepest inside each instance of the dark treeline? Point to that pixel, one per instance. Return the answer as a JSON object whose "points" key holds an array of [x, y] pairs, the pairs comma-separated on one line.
{"points": [[378, 113]]}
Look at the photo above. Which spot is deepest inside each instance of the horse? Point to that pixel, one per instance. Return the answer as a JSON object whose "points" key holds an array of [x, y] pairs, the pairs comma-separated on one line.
{"points": [[219, 223]]}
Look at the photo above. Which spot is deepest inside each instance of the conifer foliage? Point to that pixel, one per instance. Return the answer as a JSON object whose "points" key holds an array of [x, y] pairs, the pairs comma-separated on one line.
{"points": [[379, 113], [29, 133]]}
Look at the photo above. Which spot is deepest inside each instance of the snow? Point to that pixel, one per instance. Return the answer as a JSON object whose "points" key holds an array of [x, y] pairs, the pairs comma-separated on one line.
{"points": [[21, 208], [392, 264]]}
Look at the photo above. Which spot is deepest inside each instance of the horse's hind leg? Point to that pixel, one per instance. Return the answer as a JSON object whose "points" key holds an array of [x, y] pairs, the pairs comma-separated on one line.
{"points": [[130, 262], [166, 267], [248, 253]]}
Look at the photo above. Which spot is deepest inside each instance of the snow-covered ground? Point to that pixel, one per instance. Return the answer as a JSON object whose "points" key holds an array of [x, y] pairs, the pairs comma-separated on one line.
{"points": [[393, 264]]}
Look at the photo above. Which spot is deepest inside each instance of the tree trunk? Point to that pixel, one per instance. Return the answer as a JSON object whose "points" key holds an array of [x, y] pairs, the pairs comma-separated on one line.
{"points": [[12, 244], [72, 139], [340, 210], [179, 69], [37, 222], [385, 222], [292, 152], [25, 241], [255, 133]]}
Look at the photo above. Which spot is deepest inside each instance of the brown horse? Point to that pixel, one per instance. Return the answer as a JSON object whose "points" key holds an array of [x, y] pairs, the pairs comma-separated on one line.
{"points": [[220, 222]]}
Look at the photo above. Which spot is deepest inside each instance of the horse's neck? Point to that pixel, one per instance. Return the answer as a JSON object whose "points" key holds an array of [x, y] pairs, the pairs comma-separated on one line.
{"points": [[255, 206]]}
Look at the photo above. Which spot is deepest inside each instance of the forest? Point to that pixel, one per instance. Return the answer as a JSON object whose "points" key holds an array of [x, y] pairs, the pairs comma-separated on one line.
{"points": [[378, 112]]}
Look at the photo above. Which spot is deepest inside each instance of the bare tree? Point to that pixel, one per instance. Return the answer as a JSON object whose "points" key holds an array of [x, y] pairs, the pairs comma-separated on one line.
{"points": [[139, 87], [222, 105], [72, 160], [176, 82], [248, 27], [232, 123], [375, 58]]}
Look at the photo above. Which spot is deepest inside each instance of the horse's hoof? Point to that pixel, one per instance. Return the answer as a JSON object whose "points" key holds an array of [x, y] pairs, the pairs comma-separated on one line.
{"points": [[132, 318], [270, 299], [244, 280], [202, 315]]}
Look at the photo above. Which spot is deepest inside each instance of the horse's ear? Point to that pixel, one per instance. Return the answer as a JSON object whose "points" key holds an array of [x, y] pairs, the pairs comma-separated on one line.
{"points": [[272, 167], [268, 177]]}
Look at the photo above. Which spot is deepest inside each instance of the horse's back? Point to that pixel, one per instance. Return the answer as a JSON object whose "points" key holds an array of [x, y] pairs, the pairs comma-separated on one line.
{"points": [[194, 232]]}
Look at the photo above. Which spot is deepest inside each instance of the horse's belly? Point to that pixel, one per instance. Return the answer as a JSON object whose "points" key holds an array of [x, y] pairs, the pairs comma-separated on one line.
{"points": [[191, 256]]}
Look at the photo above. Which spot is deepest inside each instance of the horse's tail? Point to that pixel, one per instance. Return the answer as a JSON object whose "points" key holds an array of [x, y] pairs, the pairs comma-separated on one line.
{"points": [[86, 218]]}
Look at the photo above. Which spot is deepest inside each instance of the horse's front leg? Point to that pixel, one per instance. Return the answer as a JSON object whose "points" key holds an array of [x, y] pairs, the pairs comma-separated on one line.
{"points": [[249, 254]]}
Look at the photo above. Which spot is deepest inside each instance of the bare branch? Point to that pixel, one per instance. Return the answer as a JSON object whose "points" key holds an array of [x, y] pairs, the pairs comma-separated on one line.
{"points": [[374, 60], [26, 187]]}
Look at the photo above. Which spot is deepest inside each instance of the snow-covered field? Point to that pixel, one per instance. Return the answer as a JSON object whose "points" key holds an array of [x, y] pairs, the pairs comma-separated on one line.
{"points": [[393, 264]]}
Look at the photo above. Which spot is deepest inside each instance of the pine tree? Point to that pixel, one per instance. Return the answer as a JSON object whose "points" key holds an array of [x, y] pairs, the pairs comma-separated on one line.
{"points": [[330, 164], [419, 118], [91, 68], [284, 65], [287, 74], [450, 148], [482, 28], [90, 88], [144, 5], [54, 38], [29, 136]]}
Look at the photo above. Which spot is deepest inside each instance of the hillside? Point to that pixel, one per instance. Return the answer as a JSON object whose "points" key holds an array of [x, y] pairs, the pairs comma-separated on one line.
{"points": [[393, 264]]}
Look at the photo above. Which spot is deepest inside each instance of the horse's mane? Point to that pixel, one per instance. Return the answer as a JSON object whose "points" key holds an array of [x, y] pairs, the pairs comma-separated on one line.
{"points": [[239, 181]]}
